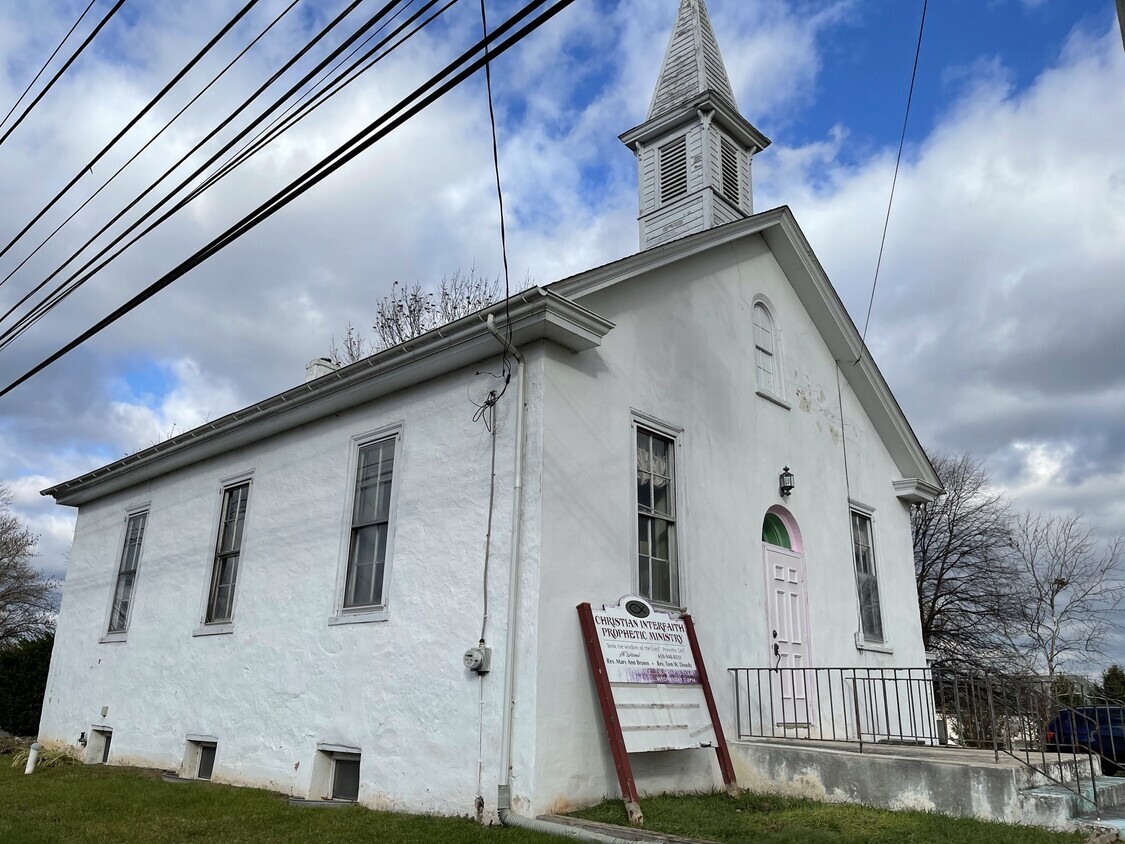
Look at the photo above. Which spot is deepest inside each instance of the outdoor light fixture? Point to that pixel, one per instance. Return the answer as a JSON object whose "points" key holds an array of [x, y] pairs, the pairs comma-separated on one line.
{"points": [[785, 482]]}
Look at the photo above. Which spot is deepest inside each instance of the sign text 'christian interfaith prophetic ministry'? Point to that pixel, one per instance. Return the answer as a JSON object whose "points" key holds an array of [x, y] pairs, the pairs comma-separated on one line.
{"points": [[645, 650]]}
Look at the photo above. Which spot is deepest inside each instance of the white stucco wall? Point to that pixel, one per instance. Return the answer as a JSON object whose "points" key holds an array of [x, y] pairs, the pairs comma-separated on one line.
{"points": [[285, 679], [682, 352]]}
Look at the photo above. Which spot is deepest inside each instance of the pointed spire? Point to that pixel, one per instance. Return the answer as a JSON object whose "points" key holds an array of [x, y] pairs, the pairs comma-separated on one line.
{"points": [[693, 63]]}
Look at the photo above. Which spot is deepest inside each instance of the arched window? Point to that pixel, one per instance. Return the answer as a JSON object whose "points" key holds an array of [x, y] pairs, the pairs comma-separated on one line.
{"points": [[774, 532], [765, 351]]}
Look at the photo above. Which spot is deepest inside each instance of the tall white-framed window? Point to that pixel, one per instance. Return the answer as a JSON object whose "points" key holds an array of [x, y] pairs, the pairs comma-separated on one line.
{"points": [[228, 554], [127, 567], [658, 561], [371, 525], [672, 167], [866, 578], [766, 355]]}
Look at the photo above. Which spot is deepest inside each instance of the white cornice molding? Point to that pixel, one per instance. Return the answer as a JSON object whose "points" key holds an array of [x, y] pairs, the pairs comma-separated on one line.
{"points": [[535, 314]]}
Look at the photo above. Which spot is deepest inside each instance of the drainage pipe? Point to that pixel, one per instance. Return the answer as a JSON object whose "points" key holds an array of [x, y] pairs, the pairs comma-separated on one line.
{"points": [[513, 565], [510, 818], [32, 757]]}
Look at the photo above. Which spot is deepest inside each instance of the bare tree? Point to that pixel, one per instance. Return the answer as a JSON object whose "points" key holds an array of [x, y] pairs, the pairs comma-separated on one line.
{"points": [[410, 311], [1070, 588], [26, 596], [963, 568]]}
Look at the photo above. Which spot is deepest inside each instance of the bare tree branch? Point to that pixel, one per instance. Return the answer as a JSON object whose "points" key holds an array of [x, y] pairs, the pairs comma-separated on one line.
{"points": [[1071, 587], [961, 543]]}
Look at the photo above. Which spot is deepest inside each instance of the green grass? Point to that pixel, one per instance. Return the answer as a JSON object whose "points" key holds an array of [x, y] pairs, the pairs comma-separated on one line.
{"points": [[122, 805], [766, 819]]}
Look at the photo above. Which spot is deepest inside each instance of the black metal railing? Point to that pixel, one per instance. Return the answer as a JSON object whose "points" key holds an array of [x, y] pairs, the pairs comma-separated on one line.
{"points": [[1057, 726]]}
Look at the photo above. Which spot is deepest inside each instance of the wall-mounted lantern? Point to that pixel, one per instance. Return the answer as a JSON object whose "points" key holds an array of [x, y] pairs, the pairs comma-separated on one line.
{"points": [[785, 482]]}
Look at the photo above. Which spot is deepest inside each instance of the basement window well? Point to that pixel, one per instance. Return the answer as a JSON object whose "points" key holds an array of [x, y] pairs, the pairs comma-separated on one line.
{"points": [[199, 756], [336, 773], [97, 746]]}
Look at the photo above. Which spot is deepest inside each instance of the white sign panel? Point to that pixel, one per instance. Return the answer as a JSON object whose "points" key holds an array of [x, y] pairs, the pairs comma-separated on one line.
{"points": [[656, 686]]}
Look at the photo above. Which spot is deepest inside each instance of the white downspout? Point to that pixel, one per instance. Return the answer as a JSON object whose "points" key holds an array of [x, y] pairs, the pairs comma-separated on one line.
{"points": [[513, 569], [504, 792]]}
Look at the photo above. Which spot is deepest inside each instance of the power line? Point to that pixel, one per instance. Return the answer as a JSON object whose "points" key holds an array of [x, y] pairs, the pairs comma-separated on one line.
{"points": [[47, 63], [303, 107], [58, 294], [505, 366], [63, 69], [387, 123], [140, 114], [132, 158], [898, 163]]}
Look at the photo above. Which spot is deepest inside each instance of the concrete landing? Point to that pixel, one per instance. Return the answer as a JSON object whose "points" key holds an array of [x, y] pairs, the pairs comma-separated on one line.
{"points": [[953, 781], [1109, 827]]}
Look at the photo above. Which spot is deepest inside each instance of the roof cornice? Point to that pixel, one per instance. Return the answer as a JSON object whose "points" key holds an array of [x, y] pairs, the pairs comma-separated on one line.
{"points": [[535, 314], [741, 129]]}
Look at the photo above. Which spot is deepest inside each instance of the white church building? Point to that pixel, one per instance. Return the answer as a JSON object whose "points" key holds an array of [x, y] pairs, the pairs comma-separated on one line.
{"points": [[284, 597]]}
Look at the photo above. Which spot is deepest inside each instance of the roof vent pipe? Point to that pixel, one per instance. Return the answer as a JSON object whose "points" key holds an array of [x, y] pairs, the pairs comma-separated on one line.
{"points": [[317, 367]]}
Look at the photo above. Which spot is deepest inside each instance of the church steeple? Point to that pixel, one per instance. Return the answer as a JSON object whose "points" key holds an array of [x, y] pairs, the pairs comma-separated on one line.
{"points": [[694, 151], [692, 64]]}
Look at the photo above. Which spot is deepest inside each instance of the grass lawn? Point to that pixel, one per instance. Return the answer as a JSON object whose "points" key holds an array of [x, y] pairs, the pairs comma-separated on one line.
{"points": [[766, 819], [121, 805]]}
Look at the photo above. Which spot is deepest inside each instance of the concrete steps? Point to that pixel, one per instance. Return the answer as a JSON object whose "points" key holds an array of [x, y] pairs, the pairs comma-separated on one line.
{"points": [[1072, 805]]}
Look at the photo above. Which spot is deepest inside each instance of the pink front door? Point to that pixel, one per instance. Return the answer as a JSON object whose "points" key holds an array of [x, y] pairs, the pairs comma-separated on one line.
{"points": [[788, 637]]}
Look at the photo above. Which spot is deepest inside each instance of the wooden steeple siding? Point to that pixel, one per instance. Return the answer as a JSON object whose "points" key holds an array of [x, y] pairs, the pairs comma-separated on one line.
{"points": [[694, 151]]}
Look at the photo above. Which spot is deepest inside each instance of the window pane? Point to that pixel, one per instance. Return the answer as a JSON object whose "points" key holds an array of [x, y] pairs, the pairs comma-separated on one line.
{"points": [[121, 598], [373, 483], [644, 529], [662, 495], [345, 779], [222, 599], [661, 581], [206, 761], [234, 517], [660, 543], [365, 570], [644, 584], [871, 615]]}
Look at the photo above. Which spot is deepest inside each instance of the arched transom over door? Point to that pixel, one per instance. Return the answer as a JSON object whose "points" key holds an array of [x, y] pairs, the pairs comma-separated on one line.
{"points": [[784, 561]]}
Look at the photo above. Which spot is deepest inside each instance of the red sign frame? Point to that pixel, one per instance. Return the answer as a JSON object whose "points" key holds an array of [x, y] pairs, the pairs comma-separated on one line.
{"points": [[613, 724]]}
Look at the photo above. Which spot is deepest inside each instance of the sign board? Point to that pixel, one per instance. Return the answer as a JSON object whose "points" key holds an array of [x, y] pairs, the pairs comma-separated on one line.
{"points": [[652, 686], [648, 660]]}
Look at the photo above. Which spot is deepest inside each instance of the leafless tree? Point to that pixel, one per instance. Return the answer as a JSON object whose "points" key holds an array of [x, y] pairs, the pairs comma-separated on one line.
{"points": [[963, 568], [410, 310], [1070, 586], [26, 596]]}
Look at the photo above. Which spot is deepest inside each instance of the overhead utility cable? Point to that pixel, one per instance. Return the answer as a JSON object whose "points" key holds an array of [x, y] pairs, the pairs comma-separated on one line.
{"points": [[57, 294], [898, 163], [62, 70], [140, 114], [138, 154], [325, 90], [47, 63], [380, 128]]}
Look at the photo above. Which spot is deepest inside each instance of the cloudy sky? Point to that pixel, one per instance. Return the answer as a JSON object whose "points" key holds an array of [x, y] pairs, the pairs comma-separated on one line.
{"points": [[1001, 303]]}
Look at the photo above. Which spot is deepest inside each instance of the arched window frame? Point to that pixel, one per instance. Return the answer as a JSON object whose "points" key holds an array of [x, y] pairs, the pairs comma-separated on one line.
{"points": [[767, 352]]}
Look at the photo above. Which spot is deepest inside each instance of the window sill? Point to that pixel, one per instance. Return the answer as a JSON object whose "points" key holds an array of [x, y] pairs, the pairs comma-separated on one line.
{"points": [[862, 644], [213, 630], [111, 638], [772, 398], [363, 617]]}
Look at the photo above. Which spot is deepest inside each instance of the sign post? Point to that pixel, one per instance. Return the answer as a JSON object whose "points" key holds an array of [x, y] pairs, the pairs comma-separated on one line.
{"points": [[652, 684]]}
